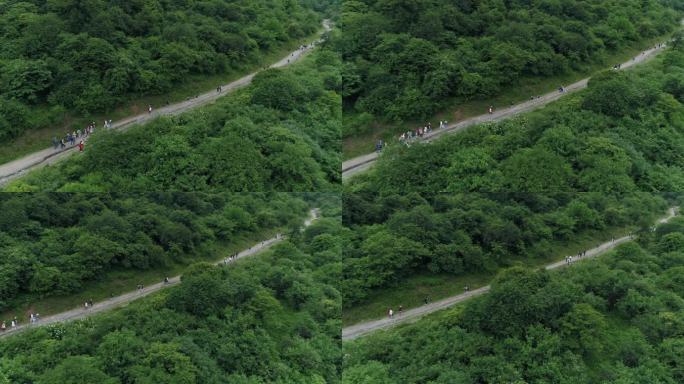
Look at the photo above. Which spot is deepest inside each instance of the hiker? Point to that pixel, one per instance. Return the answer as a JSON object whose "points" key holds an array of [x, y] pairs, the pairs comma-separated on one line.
{"points": [[80, 146], [55, 142], [466, 288], [390, 313], [166, 280], [14, 323], [149, 109], [401, 309], [3, 326], [86, 305], [569, 259], [491, 109]]}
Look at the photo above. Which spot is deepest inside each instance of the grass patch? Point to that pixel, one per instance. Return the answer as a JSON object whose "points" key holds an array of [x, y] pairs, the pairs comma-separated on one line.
{"points": [[41, 138], [117, 282], [363, 143], [412, 290]]}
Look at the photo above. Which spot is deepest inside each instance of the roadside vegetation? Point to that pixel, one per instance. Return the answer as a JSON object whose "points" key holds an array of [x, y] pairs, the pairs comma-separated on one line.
{"points": [[615, 319], [406, 61], [403, 249]]}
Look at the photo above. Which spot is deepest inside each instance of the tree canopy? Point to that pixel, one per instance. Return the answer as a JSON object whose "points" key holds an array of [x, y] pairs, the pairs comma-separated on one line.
{"points": [[270, 318], [393, 236], [406, 59], [53, 244], [622, 134], [90, 56], [615, 319], [281, 133]]}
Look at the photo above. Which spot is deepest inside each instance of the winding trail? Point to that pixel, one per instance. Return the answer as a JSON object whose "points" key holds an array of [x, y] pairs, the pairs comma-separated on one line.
{"points": [[121, 300], [17, 168], [362, 163], [411, 315]]}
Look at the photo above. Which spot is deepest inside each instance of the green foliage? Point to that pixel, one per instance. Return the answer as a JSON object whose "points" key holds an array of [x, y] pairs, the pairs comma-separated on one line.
{"points": [[397, 235], [407, 59], [243, 326], [90, 56], [279, 134], [622, 134], [52, 244], [546, 327], [76, 370]]}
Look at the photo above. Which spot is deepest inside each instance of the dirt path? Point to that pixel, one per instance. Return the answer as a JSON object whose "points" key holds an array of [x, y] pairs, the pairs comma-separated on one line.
{"points": [[411, 315], [360, 164], [17, 168], [118, 301]]}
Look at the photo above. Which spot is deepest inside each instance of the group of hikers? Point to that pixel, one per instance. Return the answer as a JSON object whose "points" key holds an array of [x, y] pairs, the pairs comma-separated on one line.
{"points": [[569, 259], [419, 132], [71, 137], [12, 324], [230, 259], [302, 47]]}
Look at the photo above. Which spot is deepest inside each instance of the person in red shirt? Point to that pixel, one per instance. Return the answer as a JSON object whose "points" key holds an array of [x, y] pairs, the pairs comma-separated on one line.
{"points": [[80, 146]]}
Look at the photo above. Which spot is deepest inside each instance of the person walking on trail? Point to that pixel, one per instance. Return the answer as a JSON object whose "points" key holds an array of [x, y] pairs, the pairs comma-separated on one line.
{"points": [[3, 327], [491, 109], [390, 313], [149, 109], [466, 288], [80, 146], [401, 309], [55, 142]]}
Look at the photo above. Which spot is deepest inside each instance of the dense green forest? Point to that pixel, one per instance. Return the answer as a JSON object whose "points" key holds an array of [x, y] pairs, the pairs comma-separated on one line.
{"points": [[624, 133], [273, 318], [281, 133], [406, 59], [54, 243], [617, 319], [89, 56], [394, 236]]}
